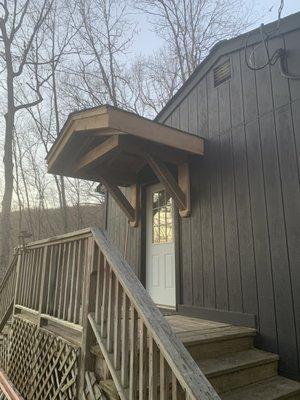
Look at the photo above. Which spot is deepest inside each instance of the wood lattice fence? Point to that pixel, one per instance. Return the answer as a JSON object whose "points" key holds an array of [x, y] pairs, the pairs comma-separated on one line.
{"points": [[40, 364]]}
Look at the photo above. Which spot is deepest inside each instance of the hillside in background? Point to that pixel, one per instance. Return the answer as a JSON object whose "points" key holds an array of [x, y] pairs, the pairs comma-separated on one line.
{"points": [[43, 223]]}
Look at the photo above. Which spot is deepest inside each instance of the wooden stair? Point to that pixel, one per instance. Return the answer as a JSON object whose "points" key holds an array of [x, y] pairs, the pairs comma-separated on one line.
{"points": [[227, 356]]}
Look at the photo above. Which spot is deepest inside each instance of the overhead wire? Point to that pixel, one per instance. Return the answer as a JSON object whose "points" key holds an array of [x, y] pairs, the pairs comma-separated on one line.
{"points": [[279, 54]]}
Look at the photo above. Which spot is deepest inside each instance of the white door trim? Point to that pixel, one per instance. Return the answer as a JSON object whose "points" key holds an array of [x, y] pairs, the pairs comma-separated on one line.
{"points": [[160, 256]]}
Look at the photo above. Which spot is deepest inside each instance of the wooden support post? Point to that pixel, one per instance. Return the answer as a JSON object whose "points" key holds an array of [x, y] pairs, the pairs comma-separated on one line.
{"points": [[86, 362], [185, 186], [135, 202], [180, 192], [130, 208]]}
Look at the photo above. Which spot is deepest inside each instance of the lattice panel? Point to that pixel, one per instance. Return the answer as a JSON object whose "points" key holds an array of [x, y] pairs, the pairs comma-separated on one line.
{"points": [[42, 366]]}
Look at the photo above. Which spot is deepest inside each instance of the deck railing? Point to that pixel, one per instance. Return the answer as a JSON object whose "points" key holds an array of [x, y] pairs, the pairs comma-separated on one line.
{"points": [[81, 281], [51, 277]]}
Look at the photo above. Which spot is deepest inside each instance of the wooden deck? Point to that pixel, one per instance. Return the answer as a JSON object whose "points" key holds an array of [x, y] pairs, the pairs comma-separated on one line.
{"points": [[192, 331], [188, 328]]}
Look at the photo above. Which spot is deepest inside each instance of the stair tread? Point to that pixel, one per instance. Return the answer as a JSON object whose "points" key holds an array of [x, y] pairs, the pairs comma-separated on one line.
{"points": [[215, 334], [271, 389], [235, 361]]}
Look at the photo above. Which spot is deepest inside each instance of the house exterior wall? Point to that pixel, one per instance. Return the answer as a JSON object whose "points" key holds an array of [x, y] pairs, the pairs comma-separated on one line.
{"points": [[240, 249]]}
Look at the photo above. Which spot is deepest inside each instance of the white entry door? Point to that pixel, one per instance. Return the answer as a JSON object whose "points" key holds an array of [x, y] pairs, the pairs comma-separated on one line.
{"points": [[160, 259]]}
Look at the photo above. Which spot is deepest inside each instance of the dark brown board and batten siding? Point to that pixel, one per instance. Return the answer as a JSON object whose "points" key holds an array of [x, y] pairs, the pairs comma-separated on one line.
{"points": [[248, 199], [240, 249]]}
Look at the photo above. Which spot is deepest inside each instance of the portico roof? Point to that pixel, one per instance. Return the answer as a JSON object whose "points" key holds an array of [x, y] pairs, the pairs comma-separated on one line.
{"points": [[107, 141]]}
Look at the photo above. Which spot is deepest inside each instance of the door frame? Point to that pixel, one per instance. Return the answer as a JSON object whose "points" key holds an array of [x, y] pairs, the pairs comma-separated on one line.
{"points": [[143, 266]]}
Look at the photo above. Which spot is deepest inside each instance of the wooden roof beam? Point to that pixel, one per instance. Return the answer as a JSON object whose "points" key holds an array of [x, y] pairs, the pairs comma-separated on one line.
{"points": [[102, 151], [130, 208], [180, 192]]}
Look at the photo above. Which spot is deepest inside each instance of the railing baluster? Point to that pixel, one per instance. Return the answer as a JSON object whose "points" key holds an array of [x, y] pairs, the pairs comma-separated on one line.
{"points": [[143, 361], [164, 384], [31, 280], [174, 388], [54, 279], [99, 287], [117, 327], [153, 366], [104, 305], [73, 293], [25, 285], [49, 273], [67, 282], [62, 280], [125, 334], [78, 289], [38, 276], [133, 379], [57, 281], [110, 311], [27, 276], [43, 294]]}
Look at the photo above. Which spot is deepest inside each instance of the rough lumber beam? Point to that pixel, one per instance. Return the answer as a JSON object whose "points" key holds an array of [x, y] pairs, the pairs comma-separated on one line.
{"points": [[101, 151], [137, 146], [179, 192], [120, 199], [185, 186], [135, 202]]}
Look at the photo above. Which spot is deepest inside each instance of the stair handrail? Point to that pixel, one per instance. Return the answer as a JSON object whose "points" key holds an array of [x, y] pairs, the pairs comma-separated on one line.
{"points": [[164, 347], [9, 270], [8, 284]]}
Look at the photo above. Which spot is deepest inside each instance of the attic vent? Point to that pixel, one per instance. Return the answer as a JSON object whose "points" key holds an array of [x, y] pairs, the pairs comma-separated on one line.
{"points": [[222, 73]]}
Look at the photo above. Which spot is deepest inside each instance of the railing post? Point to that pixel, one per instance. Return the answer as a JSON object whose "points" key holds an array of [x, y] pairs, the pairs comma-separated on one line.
{"points": [[88, 305], [19, 262]]}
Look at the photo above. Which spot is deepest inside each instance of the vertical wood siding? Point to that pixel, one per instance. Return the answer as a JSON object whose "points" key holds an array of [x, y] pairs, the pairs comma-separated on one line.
{"points": [[240, 249]]}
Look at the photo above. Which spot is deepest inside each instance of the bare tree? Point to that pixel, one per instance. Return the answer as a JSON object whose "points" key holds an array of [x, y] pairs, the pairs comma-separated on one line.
{"points": [[105, 36], [31, 47], [21, 38], [188, 29]]}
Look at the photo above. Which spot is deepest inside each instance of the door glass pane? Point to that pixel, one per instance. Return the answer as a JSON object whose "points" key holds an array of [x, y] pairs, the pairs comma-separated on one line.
{"points": [[162, 218]]}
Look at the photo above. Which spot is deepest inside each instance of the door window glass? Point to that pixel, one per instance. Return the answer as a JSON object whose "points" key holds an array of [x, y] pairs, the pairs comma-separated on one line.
{"points": [[162, 217]]}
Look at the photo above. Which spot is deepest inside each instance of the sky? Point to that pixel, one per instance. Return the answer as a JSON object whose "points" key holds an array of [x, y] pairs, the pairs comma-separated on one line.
{"points": [[147, 41]]}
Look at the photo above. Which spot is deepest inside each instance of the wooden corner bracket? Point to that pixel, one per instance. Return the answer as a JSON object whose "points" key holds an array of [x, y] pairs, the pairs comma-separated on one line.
{"points": [[179, 191], [131, 208]]}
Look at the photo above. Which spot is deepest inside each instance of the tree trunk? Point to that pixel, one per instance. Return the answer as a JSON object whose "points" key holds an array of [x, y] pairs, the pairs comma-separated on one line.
{"points": [[8, 165], [8, 191]]}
